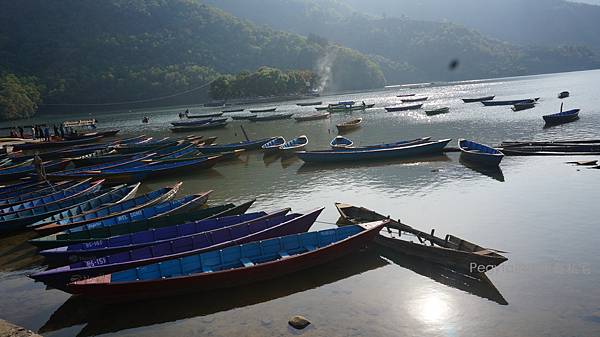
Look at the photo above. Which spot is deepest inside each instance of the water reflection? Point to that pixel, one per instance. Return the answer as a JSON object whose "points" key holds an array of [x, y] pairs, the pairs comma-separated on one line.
{"points": [[317, 167], [17, 254], [101, 318], [476, 283], [492, 172]]}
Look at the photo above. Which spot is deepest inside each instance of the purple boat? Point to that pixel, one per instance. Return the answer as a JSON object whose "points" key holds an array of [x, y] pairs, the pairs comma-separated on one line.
{"points": [[95, 249], [267, 227]]}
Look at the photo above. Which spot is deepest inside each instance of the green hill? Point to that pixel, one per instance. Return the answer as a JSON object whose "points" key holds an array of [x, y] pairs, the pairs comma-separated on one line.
{"points": [[90, 51]]}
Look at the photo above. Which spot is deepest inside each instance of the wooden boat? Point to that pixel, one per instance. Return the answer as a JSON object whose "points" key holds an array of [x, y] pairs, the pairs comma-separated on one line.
{"points": [[404, 107], [349, 125], [16, 189], [164, 219], [322, 108], [51, 144], [151, 145], [18, 220], [206, 126], [177, 246], [199, 122], [405, 95], [109, 211], [214, 104], [296, 144], [478, 99], [233, 110], [400, 143], [273, 145], [110, 156], [228, 267], [209, 115], [567, 142], [584, 162], [451, 251], [479, 153], [247, 145], [115, 195], [80, 123], [34, 194], [135, 221], [263, 110], [128, 175], [341, 142], [273, 117], [105, 133], [365, 154], [562, 117], [312, 117], [513, 102], [437, 111], [78, 173], [348, 108], [563, 94], [310, 103], [412, 100], [49, 199], [243, 117], [21, 171], [152, 237], [523, 106]]}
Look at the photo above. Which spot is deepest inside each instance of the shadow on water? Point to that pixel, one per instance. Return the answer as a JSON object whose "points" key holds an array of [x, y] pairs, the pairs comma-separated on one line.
{"points": [[492, 172], [101, 318], [476, 283], [314, 167], [16, 253]]}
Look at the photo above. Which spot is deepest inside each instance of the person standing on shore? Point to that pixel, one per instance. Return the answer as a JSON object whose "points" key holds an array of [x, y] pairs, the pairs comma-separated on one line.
{"points": [[21, 132], [47, 134], [33, 132], [38, 164]]}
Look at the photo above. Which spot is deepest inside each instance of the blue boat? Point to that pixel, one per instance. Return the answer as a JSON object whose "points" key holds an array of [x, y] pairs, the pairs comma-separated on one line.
{"points": [[110, 156], [49, 199], [115, 195], [366, 154], [110, 211], [13, 190], [21, 171], [126, 242], [199, 122], [151, 145], [389, 145], [103, 228], [245, 145], [479, 154], [229, 267], [340, 142], [46, 189], [271, 225], [19, 220], [562, 117], [513, 102], [296, 144], [273, 145], [189, 212], [75, 173], [217, 124]]}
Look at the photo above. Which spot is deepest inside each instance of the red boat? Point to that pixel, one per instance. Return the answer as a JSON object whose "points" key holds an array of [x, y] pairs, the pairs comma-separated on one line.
{"points": [[229, 267]]}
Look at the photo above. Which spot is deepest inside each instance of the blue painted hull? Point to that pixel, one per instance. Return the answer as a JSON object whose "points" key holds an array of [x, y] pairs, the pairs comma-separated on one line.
{"points": [[373, 154], [479, 154], [562, 117]]}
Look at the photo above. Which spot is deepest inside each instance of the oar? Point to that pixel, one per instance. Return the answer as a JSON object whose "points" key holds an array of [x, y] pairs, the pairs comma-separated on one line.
{"points": [[244, 131]]}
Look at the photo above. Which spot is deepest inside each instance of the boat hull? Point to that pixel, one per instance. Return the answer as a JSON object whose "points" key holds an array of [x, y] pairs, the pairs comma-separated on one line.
{"points": [[348, 155]]}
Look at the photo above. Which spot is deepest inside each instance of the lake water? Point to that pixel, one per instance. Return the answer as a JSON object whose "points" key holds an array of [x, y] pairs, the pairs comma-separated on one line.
{"points": [[540, 210]]}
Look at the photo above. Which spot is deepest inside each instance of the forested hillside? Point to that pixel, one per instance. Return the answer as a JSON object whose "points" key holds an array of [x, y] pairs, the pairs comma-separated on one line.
{"points": [[407, 49], [90, 51]]}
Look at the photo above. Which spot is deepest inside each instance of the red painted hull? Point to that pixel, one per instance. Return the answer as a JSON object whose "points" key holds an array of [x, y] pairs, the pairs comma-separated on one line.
{"points": [[100, 289]]}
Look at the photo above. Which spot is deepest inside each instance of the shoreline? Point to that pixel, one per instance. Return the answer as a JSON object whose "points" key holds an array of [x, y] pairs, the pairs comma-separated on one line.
{"points": [[12, 330]]}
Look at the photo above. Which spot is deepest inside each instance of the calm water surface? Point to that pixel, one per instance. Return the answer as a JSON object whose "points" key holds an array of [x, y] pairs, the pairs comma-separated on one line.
{"points": [[542, 211]]}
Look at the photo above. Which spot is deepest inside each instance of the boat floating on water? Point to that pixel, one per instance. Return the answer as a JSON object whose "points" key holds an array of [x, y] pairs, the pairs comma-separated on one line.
{"points": [[450, 251], [562, 117], [563, 94], [479, 154], [312, 117], [404, 107], [349, 125], [513, 102], [341, 142], [478, 99], [437, 111]]}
